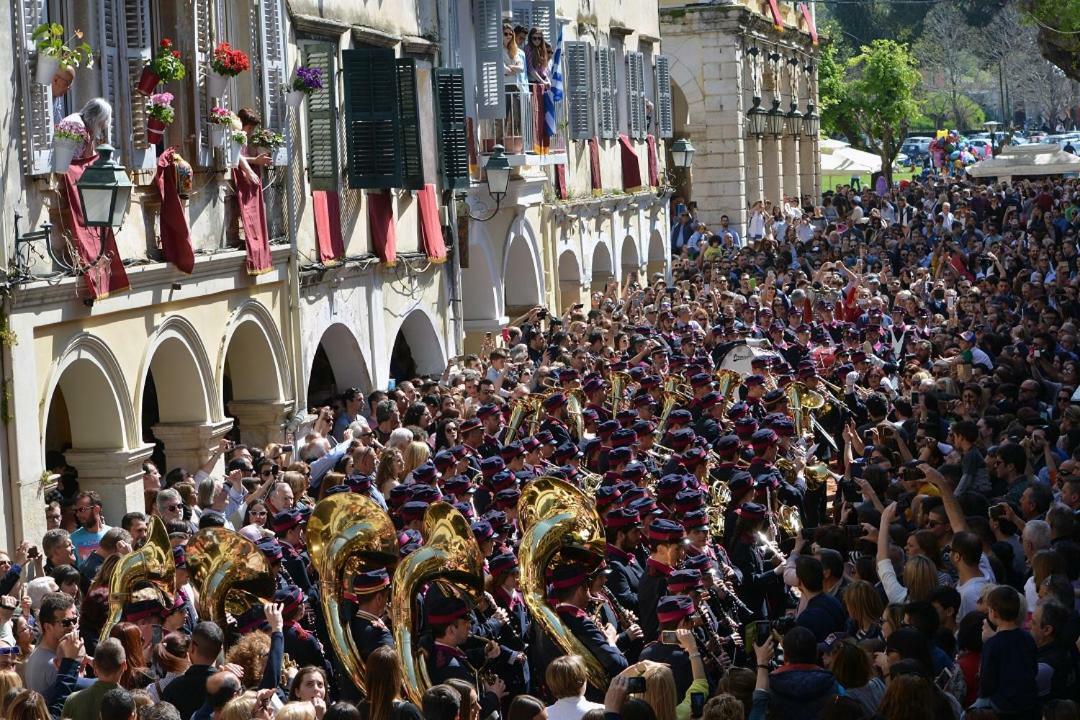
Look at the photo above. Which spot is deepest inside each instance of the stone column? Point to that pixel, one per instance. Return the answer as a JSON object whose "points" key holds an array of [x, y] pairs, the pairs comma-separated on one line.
{"points": [[261, 422], [189, 445], [772, 169], [753, 170], [116, 475], [791, 165], [808, 164]]}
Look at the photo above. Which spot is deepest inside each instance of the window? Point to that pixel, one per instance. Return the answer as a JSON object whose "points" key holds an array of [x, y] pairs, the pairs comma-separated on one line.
{"points": [[663, 114], [605, 83], [125, 32], [579, 89], [450, 124], [208, 22], [322, 118], [36, 100], [537, 14]]}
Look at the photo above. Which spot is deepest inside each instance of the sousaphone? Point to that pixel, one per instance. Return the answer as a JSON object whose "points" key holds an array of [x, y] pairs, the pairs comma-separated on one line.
{"points": [[150, 566], [230, 573]]}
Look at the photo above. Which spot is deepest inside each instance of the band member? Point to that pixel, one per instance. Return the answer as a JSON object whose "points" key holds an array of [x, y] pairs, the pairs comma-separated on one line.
{"points": [[748, 556], [368, 625], [289, 527], [449, 619], [666, 547], [623, 530], [555, 422], [674, 613]]}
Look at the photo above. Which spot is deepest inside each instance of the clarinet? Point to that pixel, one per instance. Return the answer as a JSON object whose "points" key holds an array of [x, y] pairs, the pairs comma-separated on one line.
{"points": [[509, 624], [729, 589], [625, 617], [709, 642]]}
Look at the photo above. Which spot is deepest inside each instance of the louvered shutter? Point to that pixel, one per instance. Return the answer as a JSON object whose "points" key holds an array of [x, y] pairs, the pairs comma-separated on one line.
{"points": [[202, 18], [579, 89], [450, 121], [521, 11], [272, 50], [322, 132], [110, 29], [138, 42], [664, 119], [35, 100], [605, 97], [487, 26], [412, 158], [543, 17], [635, 94], [372, 127]]}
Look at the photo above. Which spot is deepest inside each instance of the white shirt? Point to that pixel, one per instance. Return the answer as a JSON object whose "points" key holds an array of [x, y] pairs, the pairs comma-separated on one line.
{"points": [[571, 708], [969, 595]]}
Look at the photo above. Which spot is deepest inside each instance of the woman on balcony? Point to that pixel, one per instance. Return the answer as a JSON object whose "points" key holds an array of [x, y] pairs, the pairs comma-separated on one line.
{"points": [[96, 117], [538, 59], [249, 121], [516, 82]]}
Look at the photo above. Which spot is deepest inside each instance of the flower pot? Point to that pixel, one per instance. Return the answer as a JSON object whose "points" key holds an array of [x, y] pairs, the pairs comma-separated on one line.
{"points": [[236, 149], [281, 156], [63, 152], [215, 84], [47, 65], [147, 82], [217, 135], [296, 98], [155, 130]]}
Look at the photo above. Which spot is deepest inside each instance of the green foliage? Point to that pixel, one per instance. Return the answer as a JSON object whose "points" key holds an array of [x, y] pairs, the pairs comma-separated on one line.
{"points": [[51, 42], [882, 82], [863, 21], [832, 91], [1059, 32], [940, 110]]}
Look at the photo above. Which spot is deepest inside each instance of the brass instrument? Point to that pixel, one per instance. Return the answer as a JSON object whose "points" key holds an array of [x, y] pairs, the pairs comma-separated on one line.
{"points": [[789, 519], [522, 408], [347, 533], [817, 475], [555, 516], [151, 566], [728, 383], [719, 499], [802, 401], [619, 382], [673, 395], [574, 404], [229, 572], [450, 556]]}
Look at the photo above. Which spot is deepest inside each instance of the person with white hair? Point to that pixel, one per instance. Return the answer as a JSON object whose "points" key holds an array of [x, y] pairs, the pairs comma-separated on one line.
{"points": [[96, 117]]}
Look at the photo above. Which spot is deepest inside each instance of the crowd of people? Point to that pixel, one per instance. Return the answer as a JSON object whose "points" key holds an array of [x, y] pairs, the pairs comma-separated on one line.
{"points": [[875, 517]]}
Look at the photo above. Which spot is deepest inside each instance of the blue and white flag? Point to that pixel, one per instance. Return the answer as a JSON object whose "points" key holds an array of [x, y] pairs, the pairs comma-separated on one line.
{"points": [[554, 94]]}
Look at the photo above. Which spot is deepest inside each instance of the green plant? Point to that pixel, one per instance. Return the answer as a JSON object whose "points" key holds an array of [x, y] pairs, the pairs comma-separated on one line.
{"points": [[267, 138], [51, 42], [239, 136], [160, 107], [167, 65]]}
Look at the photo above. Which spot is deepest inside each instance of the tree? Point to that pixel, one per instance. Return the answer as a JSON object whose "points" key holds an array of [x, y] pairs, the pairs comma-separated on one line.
{"points": [[883, 80], [945, 56], [864, 21], [833, 94], [940, 111], [1059, 32]]}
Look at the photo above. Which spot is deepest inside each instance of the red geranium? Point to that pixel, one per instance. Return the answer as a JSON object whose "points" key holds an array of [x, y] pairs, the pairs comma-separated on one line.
{"points": [[229, 61]]}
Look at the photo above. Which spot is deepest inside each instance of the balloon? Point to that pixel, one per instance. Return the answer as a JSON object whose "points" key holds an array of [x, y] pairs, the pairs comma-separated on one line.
{"points": [[954, 155]]}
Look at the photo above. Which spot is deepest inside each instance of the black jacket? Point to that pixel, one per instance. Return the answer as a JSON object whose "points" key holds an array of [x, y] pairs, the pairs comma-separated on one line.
{"points": [[188, 692]]}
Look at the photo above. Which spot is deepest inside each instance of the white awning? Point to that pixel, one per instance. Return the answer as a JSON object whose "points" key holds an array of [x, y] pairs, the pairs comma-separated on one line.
{"points": [[1022, 160]]}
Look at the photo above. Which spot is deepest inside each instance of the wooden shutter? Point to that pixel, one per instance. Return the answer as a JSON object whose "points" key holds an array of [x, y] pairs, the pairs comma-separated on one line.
{"points": [[35, 100], [322, 128], [272, 51], [205, 35], [110, 29], [450, 121], [579, 91], [487, 26], [543, 17], [635, 94], [412, 158], [664, 118], [605, 96], [372, 124], [138, 47], [521, 13]]}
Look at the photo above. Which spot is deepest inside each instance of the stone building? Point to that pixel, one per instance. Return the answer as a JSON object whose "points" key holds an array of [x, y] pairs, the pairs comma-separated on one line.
{"points": [[729, 59]]}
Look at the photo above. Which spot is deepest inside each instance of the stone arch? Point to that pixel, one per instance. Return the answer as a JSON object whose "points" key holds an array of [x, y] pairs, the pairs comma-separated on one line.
{"points": [[175, 352], [657, 255], [522, 278], [688, 99], [418, 347], [602, 266], [569, 279], [87, 386], [628, 256], [480, 281], [253, 342], [338, 364]]}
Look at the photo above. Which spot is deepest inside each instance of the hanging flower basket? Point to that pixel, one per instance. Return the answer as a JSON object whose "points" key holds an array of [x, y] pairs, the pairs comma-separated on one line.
{"points": [[225, 62], [222, 121], [155, 131], [216, 84], [63, 153], [306, 81], [296, 98], [237, 140], [55, 52], [160, 115], [217, 135], [165, 67], [47, 65], [147, 81]]}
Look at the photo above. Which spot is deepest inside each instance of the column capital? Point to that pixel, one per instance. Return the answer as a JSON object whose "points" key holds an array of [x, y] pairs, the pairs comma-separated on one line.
{"points": [[115, 474], [189, 445], [261, 422]]}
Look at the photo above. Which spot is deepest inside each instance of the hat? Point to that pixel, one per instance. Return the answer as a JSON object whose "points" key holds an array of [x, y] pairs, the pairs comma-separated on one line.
{"points": [[641, 400], [592, 385], [179, 554], [693, 457], [425, 493], [252, 619], [662, 530], [606, 428], [445, 610], [773, 397], [831, 641], [554, 401], [727, 446], [291, 597], [496, 518], [763, 439], [568, 575], [673, 608], [465, 508], [634, 471], [358, 482], [688, 500], [444, 460], [485, 411], [620, 518], [679, 439], [752, 380], [545, 437], [503, 563], [783, 427], [458, 485], [623, 437], [566, 451], [425, 473], [710, 399], [627, 417], [413, 510], [369, 581], [589, 415], [482, 530], [511, 451], [751, 511], [682, 580], [469, 425], [700, 380], [644, 427], [285, 521], [680, 416], [745, 428], [700, 562], [606, 496], [270, 548], [621, 454], [670, 485], [738, 411], [145, 603], [967, 336], [645, 506], [507, 498], [491, 465]]}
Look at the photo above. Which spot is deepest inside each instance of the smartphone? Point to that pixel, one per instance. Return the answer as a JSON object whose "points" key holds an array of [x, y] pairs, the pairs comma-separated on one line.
{"points": [[487, 336], [697, 704], [635, 684], [669, 637], [680, 209], [391, 384], [155, 635], [915, 397], [506, 335], [286, 448], [761, 628]]}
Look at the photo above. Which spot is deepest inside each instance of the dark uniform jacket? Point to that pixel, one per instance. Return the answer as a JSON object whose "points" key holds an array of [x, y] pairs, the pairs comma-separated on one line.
{"points": [[581, 626], [624, 578], [652, 587]]}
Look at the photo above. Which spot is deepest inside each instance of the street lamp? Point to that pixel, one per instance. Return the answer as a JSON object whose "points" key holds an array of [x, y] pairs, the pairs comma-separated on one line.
{"points": [[497, 177], [755, 119], [774, 120], [811, 122], [104, 191], [682, 153], [794, 120]]}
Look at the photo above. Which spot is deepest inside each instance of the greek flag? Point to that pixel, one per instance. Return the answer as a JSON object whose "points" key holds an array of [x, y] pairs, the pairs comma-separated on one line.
{"points": [[554, 94]]}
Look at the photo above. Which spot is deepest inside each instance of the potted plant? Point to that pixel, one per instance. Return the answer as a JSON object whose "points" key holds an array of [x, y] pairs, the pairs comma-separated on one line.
{"points": [[166, 67], [222, 119], [160, 111], [237, 140], [272, 142], [68, 138], [54, 52], [306, 81], [226, 62]]}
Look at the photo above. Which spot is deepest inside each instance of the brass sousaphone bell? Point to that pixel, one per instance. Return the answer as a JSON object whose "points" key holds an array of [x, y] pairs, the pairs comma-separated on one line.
{"points": [[150, 565], [347, 533], [230, 572]]}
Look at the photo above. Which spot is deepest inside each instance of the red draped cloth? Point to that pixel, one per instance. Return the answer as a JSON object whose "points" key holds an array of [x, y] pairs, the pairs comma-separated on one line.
{"points": [[631, 168], [249, 198], [431, 233], [654, 163], [175, 233], [560, 182], [594, 166], [381, 222], [327, 206], [108, 275]]}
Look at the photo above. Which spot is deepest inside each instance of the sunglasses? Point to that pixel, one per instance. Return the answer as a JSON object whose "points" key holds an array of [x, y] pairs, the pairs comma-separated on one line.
{"points": [[272, 470], [67, 622], [258, 513], [172, 508]]}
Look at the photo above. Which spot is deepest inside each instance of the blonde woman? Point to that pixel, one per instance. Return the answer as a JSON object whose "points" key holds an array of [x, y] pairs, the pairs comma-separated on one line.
{"points": [[297, 711], [390, 471], [864, 608], [415, 454]]}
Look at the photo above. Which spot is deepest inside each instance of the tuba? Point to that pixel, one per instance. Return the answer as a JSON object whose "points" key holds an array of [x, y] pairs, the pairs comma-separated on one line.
{"points": [[575, 401], [802, 401], [522, 408], [619, 382], [347, 533], [555, 516], [230, 573], [449, 555], [728, 382], [151, 565]]}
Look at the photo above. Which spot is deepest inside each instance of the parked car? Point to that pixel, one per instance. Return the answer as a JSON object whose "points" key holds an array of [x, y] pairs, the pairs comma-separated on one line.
{"points": [[916, 148]]}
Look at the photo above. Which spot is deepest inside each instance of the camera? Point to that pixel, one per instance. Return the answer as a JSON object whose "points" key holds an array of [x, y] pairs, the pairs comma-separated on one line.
{"points": [[635, 684], [911, 471]]}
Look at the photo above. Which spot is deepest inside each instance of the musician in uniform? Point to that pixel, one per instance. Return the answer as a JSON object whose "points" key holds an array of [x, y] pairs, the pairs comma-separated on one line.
{"points": [[709, 427], [471, 432], [594, 389], [449, 620], [623, 531], [754, 386], [666, 540], [289, 528], [555, 420], [748, 556], [675, 612], [271, 550], [301, 646], [491, 417]]}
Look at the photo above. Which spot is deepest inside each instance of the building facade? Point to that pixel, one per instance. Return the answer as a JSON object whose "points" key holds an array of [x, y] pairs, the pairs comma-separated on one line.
{"points": [[729, 58], [137, 355]]}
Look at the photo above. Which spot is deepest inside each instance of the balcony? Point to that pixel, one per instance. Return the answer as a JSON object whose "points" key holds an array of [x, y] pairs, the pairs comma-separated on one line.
{"points": [[522, 134]]}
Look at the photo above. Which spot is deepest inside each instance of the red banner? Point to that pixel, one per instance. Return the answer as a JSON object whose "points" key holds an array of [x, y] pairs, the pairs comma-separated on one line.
{"points": [[631, 168], [594, 166], [560, 182], [811, 26], [381, 227], [107, 276], [654, 162], [431, 234], [778, 21], [249, 198], [175, 233], [327, 206]]}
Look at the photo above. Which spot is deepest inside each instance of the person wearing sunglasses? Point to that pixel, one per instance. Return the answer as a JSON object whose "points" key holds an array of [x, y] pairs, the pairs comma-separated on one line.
{"points": [[57, 617]]}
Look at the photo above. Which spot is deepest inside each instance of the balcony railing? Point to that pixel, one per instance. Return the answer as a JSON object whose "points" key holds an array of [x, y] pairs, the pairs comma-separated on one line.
{"points": [[522, 133]]}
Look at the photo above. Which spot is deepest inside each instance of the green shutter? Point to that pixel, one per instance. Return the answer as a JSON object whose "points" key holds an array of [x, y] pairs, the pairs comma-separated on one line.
{"points": [[412, 159], [371, 118], [322, 129], [450, 121]]}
